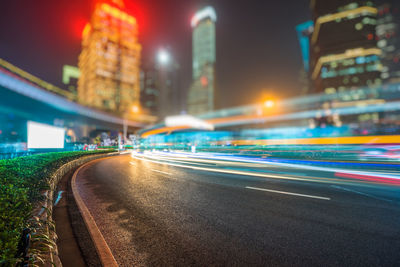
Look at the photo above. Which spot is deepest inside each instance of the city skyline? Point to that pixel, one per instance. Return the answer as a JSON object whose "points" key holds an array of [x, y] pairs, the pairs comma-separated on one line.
{"points": [[200, 133], [269, 72]]}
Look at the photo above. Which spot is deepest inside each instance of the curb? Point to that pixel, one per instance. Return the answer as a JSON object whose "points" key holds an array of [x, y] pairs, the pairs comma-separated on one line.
{"points": [[105, 254], [51, 257]]}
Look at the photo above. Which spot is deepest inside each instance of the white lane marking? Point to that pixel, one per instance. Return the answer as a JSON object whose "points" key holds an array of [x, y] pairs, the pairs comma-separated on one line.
{"points": [[287, 193], [360, 193], [167, 173]]}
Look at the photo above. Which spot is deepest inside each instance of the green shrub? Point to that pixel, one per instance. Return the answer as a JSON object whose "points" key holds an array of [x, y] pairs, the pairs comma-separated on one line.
{"points": [[21, 182]]}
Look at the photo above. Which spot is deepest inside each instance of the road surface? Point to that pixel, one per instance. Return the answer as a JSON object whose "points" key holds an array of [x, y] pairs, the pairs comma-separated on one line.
{"points": [[177, 212]]}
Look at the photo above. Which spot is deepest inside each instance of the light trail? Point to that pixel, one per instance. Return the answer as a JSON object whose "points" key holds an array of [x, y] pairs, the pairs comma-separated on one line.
{"points": [[245, 173], [374, 177], [308, 167]]}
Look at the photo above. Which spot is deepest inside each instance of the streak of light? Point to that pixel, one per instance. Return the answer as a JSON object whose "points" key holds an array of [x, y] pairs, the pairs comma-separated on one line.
{"points": [[245, 173], [308, 167], [352, 174]]}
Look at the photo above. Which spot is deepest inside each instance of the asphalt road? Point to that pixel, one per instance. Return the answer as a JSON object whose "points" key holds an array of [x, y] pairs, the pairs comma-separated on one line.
{"points": [[154, 214]]}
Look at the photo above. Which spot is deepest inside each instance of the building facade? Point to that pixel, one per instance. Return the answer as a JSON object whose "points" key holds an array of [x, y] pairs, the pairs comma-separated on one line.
{"points": [[202, 91], [110, 59], [160, 89], [168, 82], [388, 38], [344, 51], [149, 91], [70, 78], [304, 31]]}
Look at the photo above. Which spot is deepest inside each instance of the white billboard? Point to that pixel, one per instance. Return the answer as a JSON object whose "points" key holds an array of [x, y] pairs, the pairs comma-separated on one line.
{"points": [[45, 136]]}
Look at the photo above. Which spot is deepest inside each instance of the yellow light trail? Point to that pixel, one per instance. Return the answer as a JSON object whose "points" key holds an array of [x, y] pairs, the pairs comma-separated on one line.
{"points": [[351, 140]]}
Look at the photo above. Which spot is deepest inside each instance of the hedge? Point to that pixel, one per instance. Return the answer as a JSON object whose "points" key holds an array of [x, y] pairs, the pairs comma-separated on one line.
{"points": [[22, 180]]}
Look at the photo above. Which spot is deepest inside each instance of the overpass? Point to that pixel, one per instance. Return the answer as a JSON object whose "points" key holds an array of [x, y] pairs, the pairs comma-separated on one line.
{"points": [[24, 97], [384, 99]]}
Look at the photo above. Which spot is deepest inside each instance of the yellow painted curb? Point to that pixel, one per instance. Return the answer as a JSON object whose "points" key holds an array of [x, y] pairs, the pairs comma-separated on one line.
{"points": [[106, 257]]}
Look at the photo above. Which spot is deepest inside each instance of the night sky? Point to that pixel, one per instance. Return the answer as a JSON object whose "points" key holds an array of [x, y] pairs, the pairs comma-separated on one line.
{"points": [[257, 48]]}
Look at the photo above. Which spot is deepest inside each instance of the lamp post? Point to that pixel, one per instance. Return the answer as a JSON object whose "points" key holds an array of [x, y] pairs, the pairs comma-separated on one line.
{"points": [[269, 103], [135, 110]]}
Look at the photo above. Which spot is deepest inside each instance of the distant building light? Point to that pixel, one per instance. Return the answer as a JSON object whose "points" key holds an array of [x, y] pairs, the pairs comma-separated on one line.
{"points": [[349, 14], [118, 14], [86, 30], [207, 12], [349, 54], [70, 72]]}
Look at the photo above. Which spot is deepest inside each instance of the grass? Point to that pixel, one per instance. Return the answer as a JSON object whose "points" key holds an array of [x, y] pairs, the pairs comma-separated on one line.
{"points": [[22, 180]]}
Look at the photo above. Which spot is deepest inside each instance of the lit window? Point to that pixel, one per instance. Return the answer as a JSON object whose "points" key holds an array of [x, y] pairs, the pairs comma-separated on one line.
{"points": [[360, 60]]}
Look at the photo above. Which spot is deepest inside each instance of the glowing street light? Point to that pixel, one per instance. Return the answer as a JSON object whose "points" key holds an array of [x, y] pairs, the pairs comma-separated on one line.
{"points": [[269, 103], [135, 109], [163, 57]]}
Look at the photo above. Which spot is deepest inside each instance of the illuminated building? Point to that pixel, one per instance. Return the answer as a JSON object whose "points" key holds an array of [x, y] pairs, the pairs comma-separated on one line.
{"points": [[304, 31], [344, 52], [110, 59], [70, 78], [201, 93], [388, 37]]}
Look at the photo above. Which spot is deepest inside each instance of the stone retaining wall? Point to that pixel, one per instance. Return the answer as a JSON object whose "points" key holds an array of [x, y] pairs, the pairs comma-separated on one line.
{"points": [[44, 209]]}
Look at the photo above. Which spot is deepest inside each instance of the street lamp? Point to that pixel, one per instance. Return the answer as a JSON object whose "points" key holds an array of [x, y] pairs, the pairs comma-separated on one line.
{"points": [[163, 57], [135, 109], [269, 103]]}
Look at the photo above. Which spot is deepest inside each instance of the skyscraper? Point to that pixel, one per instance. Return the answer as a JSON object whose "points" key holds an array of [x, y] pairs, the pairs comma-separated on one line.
{"points": [[201, 93], [168, 83], [149, 90], [388, 37], [160, 90], [110, 59], [70, 78], [344, 52], [304, 31]]}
